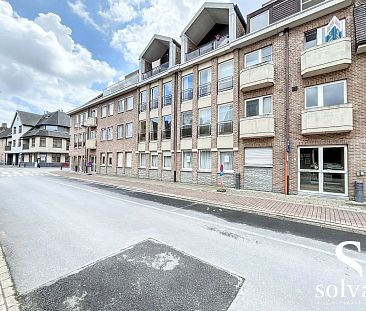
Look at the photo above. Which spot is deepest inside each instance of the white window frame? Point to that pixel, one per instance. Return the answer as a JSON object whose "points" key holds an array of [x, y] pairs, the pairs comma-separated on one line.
{"points": [[120, 126], [110, 109], [142, 155], [164, 156], [120, 158], [109, 156], [121, 104], [110, 131], [151, 160], [319, 33], [191, 158], [103, 156], [127, 155], [219, 162], [199, 161], [260, 56], [104, 111], [129, 103], [320, 88], [250, 22], [126, 130], [103, 137], [321, 171], [261, 102], [164, 92]]}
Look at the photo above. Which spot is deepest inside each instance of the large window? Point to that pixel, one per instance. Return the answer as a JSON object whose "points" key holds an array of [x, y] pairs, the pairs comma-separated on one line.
{"points": [[205, 160], [318, 36], [103, 134], [330, 94], [42, 142], [187, 160], [104, 111], [142, 160], [121, 105], [110, 109], [225, 125], [204, 82], [186, 130], [154, 97], [187, 89], [323, 169], [110, 133], [227, 160], [258, 106], [259, 157], [154, 161], [204, 127], [57, 143], [167, 89], [167, 161], [128, 159], [167, 124], [119, 159], [129, 130], [225, 78], [142, 131], [259, 21], [154, 128], [120, 131], [129, 103], [143, 100], [56, 158], [258, 56]]}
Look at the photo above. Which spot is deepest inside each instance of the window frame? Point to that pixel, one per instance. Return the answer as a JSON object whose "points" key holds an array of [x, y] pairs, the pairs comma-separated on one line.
{"points": [[129, 103], [251, 19], [142, 155], [103, 109], [120, 126], [184, 152], [110, 111], [126, 130], [320, 99], [219, 121], [219, 160], [199, 161], [121, 104], [165, 96], [151, 161], [166, 167], [261, 106], [110, 130], [260, 56]]}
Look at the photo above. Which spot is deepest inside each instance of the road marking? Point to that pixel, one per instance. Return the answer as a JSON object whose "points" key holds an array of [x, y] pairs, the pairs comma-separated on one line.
{"points": [[209, 222]]}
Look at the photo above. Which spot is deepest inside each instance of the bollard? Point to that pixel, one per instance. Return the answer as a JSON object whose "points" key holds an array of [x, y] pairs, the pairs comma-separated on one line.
{"points": [[237, 181], [359, 194]]}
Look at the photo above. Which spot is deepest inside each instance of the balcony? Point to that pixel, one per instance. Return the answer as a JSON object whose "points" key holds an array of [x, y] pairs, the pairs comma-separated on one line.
{"points": [[331, 119], [208, 47], [91, 122], [91, 144], [329, 57], [257, 77], [155, 71], [258, 126]]}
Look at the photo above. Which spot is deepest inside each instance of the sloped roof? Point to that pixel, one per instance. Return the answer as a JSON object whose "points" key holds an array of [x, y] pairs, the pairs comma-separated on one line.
{"points": [[5, 133], [28, 118], [45, 133], [59, 118]]}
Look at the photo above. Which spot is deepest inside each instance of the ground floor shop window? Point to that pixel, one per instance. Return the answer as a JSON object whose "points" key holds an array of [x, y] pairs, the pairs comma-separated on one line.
{"points": [[323, 169], [56, 158]]}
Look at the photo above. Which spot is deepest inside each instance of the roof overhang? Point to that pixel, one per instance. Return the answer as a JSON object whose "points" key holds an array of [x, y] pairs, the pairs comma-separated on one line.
{"points": [[156, 48]]}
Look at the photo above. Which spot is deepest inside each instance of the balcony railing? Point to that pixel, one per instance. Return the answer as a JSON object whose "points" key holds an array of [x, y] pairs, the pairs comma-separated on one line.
{"points": [[204, 130], [153, 135], [167, 100], [121, 85], [142, 137], [167, 134], [225, 127], [154, 103], [142, 107], [204, 89], [155, 71], [186, 131], [225, 84], [208, 47], [91, 122], [187, 94]]}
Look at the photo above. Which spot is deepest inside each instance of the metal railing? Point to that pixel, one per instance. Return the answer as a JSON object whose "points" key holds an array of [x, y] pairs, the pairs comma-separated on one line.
{"points": [[187, 94], [121, 85], [153, 135], [142, 107], [167, 134], [186, 131], [208, 47], [154, 103], [155, 71], [225, 84], [204, 89], [204, 130], [168, 100], [225, 127]]}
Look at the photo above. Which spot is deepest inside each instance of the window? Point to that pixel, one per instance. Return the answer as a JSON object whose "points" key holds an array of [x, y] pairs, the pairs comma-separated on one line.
{"points": [[167, 161], [104, 111], [19, 143], [57, 143], [258, 106], [20, 129], [187, 160], [258, 56], [13, 143], [33, 142], [227, 160], [154, 128], [186, 130], [167, 123], [204, 128], [92, 134], [154, 97], [110, 133], [103, 134], [330, 94], [102, 159], [306, 4], [110, 158], [128, 159], [260, 157], [120, 131], [142, 101], [76, 121], [42, 142], [121, 105], [154, 161], [205, 160], [56, 158], [142, 160], [142, 131], [119, 159], [204, 82], [129, 130], [225, 78], [187, 83], [323, 169], [94, 113], [129, 103], [167, 89], [259, 21], [14, 130], [110, 109], [225, 125], [319, 36]]}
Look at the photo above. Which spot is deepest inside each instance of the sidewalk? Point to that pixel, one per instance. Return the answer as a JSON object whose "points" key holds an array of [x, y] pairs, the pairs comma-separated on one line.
{"points": [[327, 212]]}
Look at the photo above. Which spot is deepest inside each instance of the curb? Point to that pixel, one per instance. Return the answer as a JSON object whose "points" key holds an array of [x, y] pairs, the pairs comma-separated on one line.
{"points": [[8, 298], [313, 222]]}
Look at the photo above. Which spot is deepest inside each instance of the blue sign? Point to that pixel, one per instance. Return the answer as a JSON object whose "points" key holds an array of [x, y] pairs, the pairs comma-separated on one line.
{"points": [[333, 30]]}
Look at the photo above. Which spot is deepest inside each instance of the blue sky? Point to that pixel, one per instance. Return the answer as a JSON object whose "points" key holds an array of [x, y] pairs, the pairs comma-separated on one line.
{"points": [[59, 54]]}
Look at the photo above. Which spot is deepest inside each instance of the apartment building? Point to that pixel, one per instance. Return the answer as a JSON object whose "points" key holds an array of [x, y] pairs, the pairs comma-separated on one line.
{"points": [[38, 139], [275, 103]]}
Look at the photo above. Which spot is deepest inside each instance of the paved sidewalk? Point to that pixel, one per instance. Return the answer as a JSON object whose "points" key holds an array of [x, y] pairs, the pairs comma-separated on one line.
{"points": [[8, 301], [327, 212]]}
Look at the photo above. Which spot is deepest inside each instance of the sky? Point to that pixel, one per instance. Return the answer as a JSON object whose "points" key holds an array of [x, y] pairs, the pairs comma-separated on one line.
{"points": [[58, 54]]}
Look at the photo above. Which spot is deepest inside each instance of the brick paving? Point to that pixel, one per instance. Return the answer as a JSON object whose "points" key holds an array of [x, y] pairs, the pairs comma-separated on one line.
{"points": [[328, 212]]}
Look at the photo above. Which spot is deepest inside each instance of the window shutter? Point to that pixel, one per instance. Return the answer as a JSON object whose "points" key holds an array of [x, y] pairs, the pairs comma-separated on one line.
{"points": [[258, 156]]}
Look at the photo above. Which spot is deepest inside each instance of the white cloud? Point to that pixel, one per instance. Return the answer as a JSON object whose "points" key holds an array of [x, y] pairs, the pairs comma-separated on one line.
{"points": [[79, 8], [41, 65], [120, 11]]}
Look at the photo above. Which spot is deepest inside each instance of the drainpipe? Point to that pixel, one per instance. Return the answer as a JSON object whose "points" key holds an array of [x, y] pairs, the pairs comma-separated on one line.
{"points": [[287, 112], [175, 103]]}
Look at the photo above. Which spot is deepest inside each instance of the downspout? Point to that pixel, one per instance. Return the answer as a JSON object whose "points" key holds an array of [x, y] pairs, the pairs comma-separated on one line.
{"points": [[175, 103], [287, 113]]}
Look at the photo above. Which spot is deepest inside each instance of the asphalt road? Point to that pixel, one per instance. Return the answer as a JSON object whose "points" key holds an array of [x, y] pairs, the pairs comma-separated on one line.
{"points": [[60, 236]]}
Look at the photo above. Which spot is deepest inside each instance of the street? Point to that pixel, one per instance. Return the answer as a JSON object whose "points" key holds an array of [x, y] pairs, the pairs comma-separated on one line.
{"points": [[64, 239]]}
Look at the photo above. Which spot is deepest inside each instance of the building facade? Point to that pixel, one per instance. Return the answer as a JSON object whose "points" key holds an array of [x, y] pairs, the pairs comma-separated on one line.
{"points": [[274, 103], [5, 135]]}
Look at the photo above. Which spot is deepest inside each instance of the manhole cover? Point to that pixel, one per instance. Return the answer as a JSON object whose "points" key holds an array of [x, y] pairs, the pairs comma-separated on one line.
{"points": [[148, 276]]}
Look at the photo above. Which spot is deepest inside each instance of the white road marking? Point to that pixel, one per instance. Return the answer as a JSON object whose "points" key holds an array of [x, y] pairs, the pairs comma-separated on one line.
{"points": [[209, 222]]}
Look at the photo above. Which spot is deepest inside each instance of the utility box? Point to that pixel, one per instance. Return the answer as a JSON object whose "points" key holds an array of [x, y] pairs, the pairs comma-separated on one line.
{"points": [[359, 191]]}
